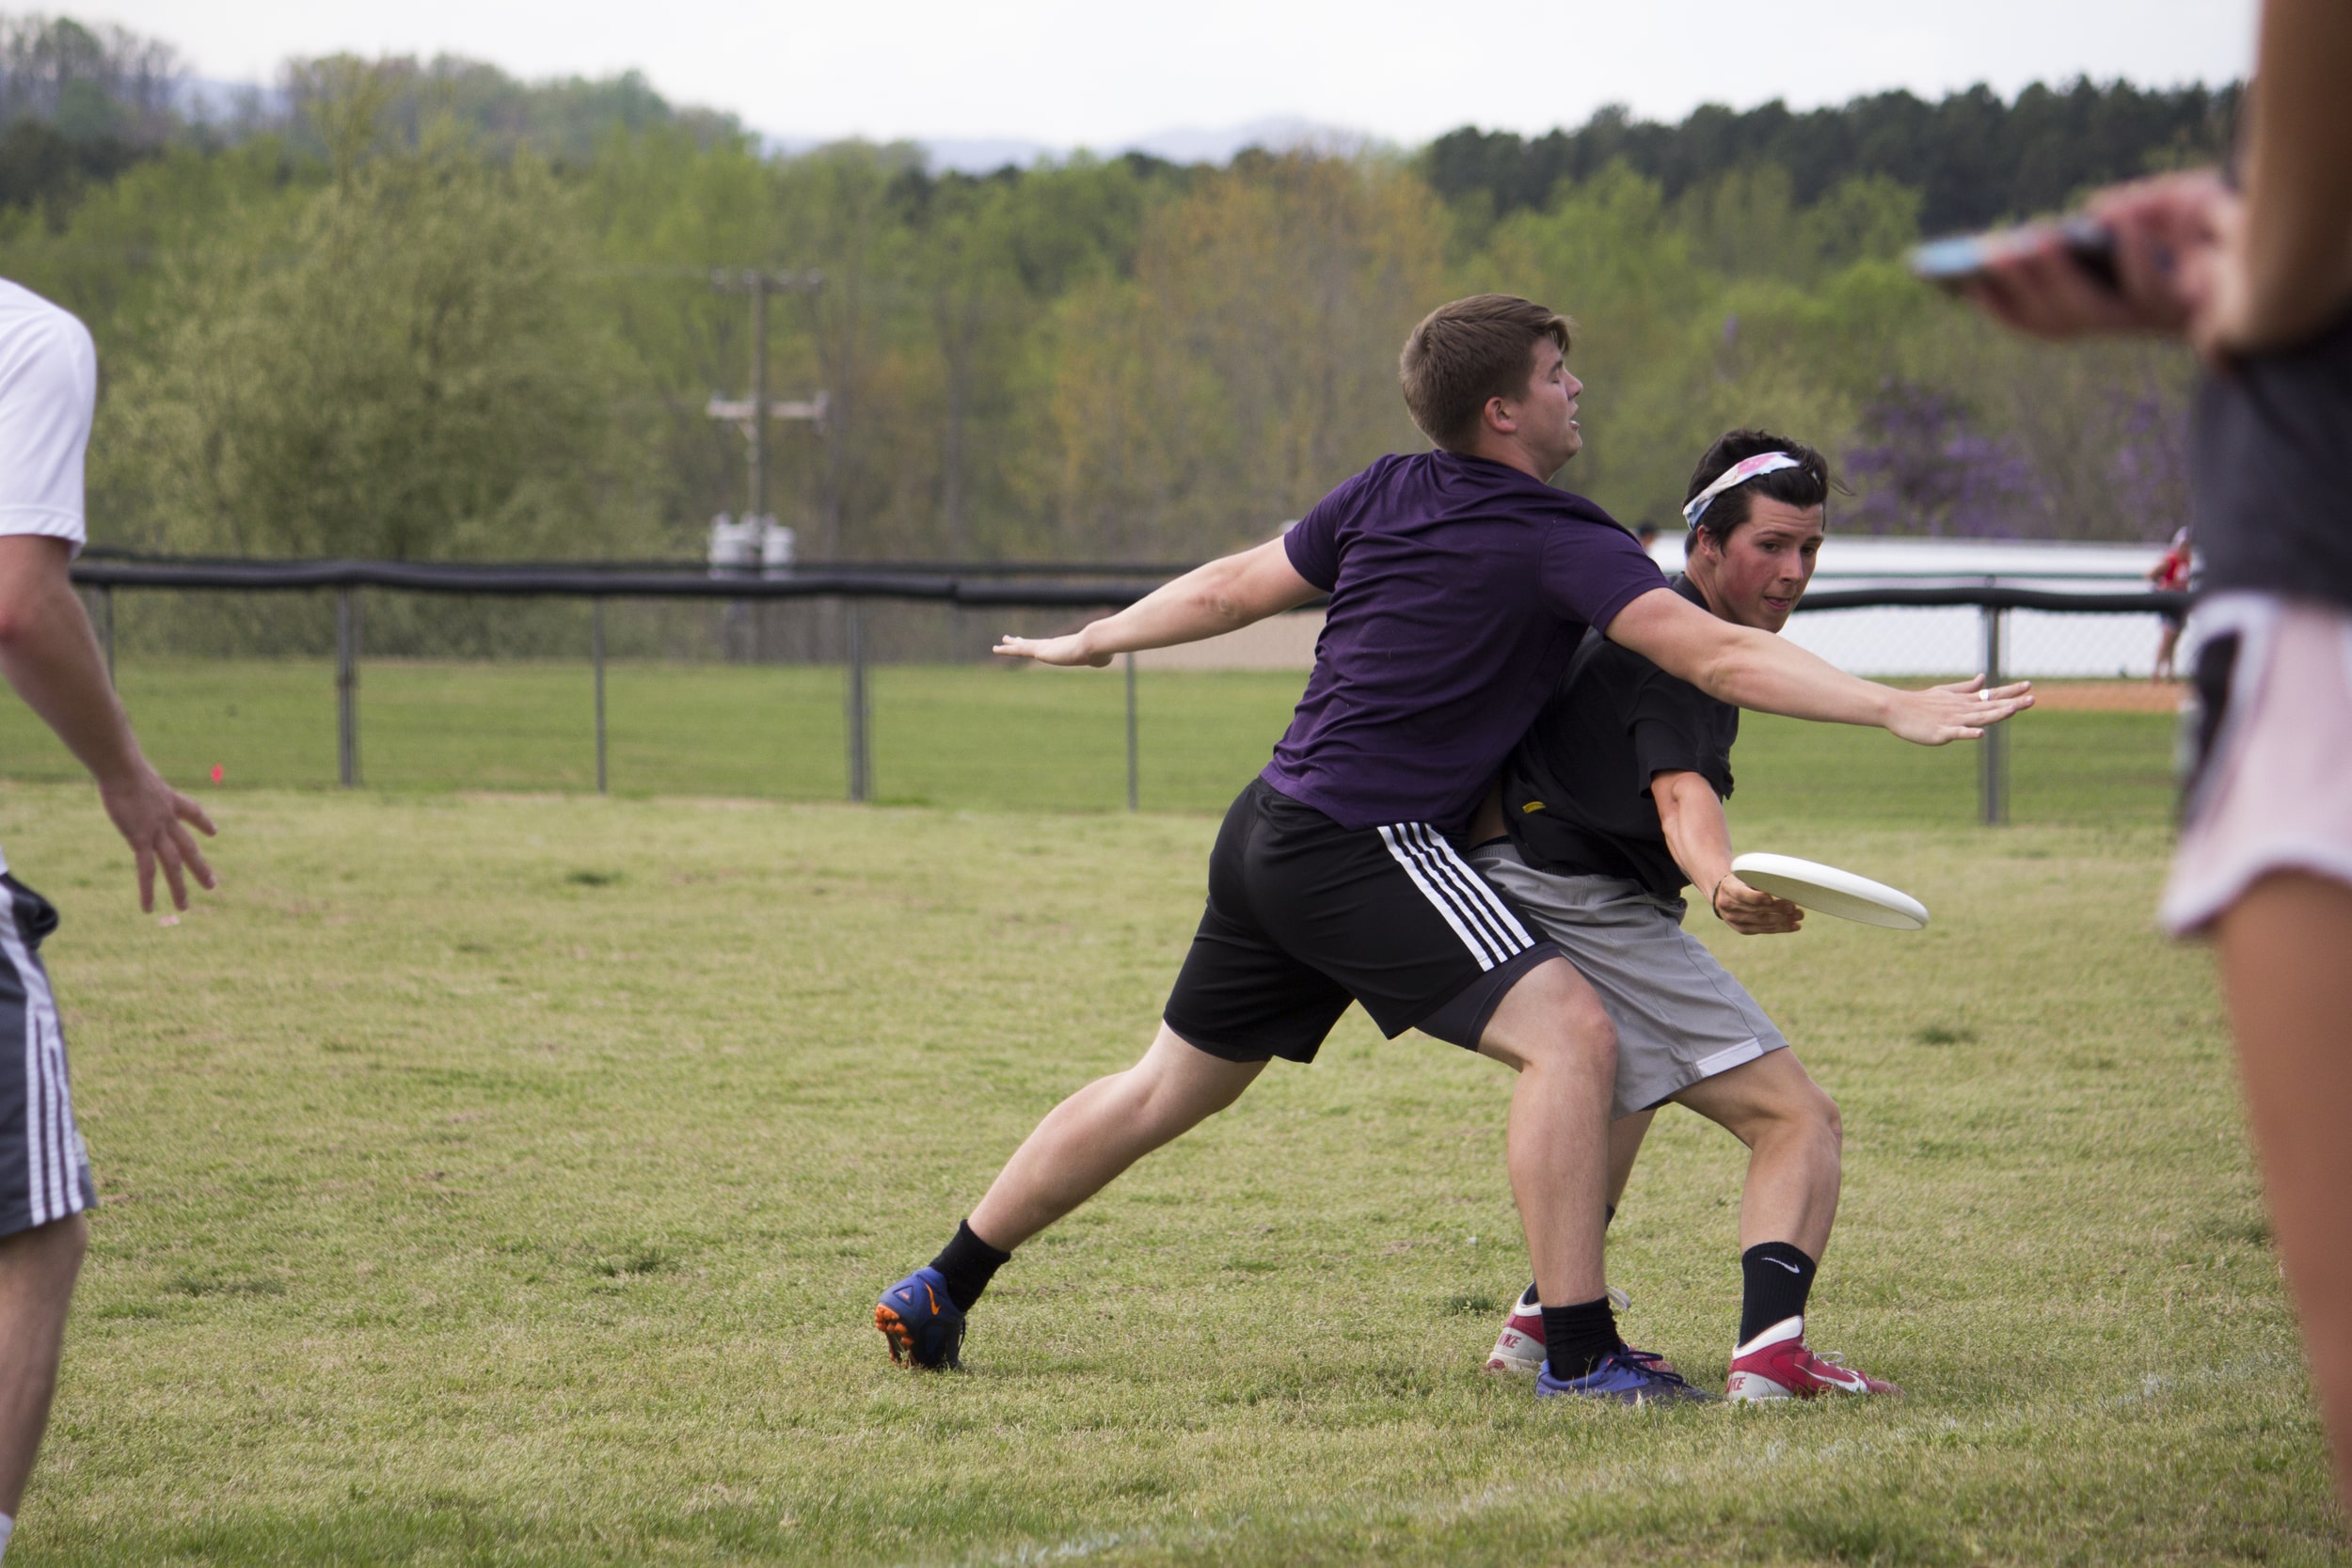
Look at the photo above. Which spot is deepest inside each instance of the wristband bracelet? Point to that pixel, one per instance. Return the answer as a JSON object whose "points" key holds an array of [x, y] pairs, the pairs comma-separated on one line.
{"points": [[1713, 907]]}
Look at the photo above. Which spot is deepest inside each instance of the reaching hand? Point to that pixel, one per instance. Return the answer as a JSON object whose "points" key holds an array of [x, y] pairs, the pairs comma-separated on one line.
{"points": [[1752, 911], [1961, 711], [153, 818], [1070, 650]]}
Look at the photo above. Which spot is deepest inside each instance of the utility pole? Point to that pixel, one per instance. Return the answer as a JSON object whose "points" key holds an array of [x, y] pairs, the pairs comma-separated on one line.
{"points": [[745, 413], [755, 540]]}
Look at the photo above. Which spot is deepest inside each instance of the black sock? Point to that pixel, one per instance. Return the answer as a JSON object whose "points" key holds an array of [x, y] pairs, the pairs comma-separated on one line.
{"points": [[1528, 1298], [1778, 1278], [1576, 1338], [968, 1264]]}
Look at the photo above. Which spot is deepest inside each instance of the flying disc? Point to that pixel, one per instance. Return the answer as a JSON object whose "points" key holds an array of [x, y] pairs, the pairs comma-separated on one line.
{"points": [[1811, 885]]}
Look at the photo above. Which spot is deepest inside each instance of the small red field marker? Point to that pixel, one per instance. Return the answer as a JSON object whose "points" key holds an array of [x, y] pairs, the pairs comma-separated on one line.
{"points": [[216, 772]]}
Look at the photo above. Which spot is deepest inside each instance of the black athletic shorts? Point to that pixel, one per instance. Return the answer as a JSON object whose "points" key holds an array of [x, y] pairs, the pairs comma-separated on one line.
{"points": [[44, 1173], [1305, 916]]}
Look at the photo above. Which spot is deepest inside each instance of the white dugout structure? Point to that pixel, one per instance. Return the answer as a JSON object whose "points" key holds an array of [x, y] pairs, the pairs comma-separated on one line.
{"points": [[1893, 641], [2039, 644]]}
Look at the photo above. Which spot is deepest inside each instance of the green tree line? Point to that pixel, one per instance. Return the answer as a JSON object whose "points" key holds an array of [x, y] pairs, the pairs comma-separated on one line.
{"points": [[424, 313]]}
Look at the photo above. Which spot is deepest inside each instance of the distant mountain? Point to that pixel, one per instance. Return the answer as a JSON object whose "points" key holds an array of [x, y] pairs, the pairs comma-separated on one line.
{"points": [[1193, 145], [207, 102], [1188, 144]]}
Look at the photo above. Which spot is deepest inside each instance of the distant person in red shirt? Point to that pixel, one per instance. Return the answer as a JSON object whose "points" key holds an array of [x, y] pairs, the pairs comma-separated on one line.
{"points": [[2170, 574]]}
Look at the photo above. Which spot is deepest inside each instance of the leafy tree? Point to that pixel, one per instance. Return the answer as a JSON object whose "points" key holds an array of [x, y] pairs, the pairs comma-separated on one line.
{"points": [[1249, 362], [87, 84], [1971, 158], [412, 377]]}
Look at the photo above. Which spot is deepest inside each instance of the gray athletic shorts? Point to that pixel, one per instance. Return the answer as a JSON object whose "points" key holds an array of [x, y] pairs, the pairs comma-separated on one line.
{"points": [[1680, 1016]]}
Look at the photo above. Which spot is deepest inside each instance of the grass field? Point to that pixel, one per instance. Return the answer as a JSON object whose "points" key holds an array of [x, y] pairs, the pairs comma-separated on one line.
{"points": [[508, 1180], [982, 736]]}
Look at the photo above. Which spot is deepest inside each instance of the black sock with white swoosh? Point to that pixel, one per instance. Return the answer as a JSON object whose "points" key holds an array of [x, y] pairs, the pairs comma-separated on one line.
{"points": [[1778, 1278]]}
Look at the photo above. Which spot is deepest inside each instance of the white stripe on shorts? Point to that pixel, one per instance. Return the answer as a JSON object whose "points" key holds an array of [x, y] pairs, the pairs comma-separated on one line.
{"points": [[1461, 896], [53, 1189], [1474, 888]]}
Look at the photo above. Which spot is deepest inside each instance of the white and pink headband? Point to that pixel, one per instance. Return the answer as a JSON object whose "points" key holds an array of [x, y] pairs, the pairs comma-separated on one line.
{"points": [[1739, 473]]}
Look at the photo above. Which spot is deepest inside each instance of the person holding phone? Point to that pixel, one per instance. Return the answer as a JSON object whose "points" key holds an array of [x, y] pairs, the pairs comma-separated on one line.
{"points": [[2254, 270]]}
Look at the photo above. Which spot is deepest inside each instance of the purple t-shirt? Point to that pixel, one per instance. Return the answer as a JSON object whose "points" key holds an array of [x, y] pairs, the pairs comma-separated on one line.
{"points": [[1459, 587]]}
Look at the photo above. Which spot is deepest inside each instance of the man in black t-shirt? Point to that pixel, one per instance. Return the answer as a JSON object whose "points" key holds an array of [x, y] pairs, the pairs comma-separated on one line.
{"points": [[1612, 803]]}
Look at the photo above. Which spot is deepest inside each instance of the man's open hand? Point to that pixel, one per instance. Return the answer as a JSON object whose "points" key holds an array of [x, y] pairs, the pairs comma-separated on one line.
{"points": [[1961, 711], [154, 819]]}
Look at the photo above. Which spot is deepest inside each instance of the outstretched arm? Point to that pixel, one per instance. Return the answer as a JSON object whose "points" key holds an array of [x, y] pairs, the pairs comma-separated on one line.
{"points": [[1692, 814], [1756, 670], [1221, 596], [49, 654]]}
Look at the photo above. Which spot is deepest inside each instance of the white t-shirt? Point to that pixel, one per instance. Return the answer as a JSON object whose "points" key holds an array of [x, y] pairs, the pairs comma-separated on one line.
{"points": [[48, 390]]}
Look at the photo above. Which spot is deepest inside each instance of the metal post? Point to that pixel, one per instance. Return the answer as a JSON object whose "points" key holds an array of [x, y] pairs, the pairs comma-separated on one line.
{"points": [[106, 602], [860, 761], [596, 638], [1993, 786], [1131, 732], [347, 686], [757, 426]]}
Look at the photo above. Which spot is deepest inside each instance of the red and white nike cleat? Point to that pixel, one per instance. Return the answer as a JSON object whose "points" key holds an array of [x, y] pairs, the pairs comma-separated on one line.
{"points": [[1776, 1365], [1519, 1348]]}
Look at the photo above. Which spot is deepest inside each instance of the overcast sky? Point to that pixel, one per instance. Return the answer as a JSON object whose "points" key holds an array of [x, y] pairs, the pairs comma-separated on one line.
{"points": [[1092, 72]]}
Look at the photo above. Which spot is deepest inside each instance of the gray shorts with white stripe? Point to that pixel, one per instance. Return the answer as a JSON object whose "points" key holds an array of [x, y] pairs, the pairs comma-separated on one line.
{"points": [[44, 1171], [1680, 1016]]}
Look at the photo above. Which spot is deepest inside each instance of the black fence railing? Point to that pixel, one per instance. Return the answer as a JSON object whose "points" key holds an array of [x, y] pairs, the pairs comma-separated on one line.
{"points": [[999, 585]]}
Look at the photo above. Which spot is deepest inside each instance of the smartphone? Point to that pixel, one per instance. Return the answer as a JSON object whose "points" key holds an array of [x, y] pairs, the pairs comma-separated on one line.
{"points": [[1956, 263]]}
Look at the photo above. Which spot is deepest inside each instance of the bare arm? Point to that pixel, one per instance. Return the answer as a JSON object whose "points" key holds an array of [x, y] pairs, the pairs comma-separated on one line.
{"points": [[1699, 837], [1224, 596], [1756, 670], [2298, 249], [50, 657]]}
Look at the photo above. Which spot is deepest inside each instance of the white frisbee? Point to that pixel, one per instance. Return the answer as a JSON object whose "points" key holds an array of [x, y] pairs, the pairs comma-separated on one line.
{"points": [[1811, 885]]}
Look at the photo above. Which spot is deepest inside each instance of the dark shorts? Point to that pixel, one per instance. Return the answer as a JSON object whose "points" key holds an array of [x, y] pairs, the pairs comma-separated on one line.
{"points": [[1305, 916], [44, 1172]]}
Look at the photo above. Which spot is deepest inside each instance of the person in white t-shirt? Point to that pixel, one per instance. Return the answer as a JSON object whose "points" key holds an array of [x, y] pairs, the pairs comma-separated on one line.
{"points": [[48, 389]]}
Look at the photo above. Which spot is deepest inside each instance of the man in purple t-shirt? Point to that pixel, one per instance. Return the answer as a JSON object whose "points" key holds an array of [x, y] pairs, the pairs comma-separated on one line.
{"points": [[1460, 582]]}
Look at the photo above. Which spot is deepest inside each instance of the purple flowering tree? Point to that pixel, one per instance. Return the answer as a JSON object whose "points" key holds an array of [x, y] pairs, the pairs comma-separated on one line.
{"points": [[2149, 471], [1922, 467]]}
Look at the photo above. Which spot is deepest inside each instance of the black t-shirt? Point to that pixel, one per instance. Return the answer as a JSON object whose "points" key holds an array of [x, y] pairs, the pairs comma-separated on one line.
{"points": [[1575, 789], [2267, 445]]}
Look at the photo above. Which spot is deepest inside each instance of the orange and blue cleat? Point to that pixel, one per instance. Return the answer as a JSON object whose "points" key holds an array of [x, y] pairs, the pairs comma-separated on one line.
{"points": [[923, 1323]]}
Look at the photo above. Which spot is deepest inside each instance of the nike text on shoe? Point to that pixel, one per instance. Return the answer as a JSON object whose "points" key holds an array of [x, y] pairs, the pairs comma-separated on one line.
{"points": [[1519, 1348], [924, 1326], [1776, 1365], [1627, 1378]]}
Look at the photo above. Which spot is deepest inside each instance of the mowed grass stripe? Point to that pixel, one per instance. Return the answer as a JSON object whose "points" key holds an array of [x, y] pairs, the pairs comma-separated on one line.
{"points": [[508, 1179]]}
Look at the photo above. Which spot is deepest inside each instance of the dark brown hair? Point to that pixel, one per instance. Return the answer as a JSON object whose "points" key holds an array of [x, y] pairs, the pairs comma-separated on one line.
{"points": [[1469, 350], [1807, 484]]}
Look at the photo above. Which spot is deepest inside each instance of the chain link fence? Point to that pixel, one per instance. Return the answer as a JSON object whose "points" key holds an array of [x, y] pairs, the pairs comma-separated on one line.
{"points": [[874, 684]]}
